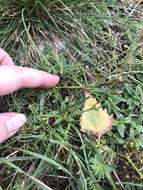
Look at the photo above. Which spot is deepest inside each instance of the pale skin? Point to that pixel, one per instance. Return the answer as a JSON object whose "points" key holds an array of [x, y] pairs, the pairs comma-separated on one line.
{"points": [[13, 78]]}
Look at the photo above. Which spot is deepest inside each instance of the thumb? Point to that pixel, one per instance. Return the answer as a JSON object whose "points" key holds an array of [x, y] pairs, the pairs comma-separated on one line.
{"points": [[10, 123]]}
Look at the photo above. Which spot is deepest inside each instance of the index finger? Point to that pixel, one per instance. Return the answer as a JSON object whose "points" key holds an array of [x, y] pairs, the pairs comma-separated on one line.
{"points": [[5, 58], [13, 78]]}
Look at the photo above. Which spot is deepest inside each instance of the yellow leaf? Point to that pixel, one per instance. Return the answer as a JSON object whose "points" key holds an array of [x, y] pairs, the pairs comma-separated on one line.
{"points": [[94, 119]]}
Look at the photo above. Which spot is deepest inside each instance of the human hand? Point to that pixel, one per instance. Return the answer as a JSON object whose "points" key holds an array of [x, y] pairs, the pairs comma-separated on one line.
{"points": [[12, 78]]}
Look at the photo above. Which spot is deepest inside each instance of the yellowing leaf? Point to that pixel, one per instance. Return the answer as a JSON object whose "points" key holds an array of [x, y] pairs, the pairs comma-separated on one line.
{"points": [[94, 119]]}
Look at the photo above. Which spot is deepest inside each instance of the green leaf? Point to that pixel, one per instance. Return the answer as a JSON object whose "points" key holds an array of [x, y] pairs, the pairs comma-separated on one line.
{"points": [[121, 130]]}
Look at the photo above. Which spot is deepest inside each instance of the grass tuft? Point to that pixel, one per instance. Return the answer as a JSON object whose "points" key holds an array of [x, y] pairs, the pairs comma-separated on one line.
{"points": [[96, 47]]}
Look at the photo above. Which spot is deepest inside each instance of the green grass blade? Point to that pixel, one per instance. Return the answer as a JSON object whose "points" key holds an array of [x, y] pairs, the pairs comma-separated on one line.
{"points": [[36, 181], [47, 159]]}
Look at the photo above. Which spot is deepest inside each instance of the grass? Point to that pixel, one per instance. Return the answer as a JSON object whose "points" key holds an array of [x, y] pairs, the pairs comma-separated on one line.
{"points": [[96, 47]]}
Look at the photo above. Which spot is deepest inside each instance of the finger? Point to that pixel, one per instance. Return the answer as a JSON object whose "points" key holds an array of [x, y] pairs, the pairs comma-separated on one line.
{"points": [[5, 59], [31, 78], [14, 78], [10, 123]]}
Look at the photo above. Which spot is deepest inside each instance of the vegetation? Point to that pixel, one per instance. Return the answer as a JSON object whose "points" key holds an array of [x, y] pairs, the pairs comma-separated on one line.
{"points": [[96, 47]]}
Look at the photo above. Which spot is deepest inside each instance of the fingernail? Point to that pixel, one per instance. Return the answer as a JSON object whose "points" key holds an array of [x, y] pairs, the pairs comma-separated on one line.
{"points": [[15, 123]]}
